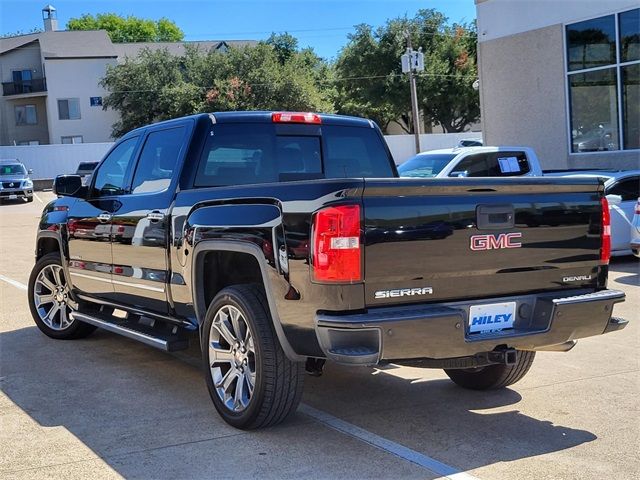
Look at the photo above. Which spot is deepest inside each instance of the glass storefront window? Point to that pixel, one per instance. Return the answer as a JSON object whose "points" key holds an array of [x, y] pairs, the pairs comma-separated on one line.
{"points": [[591, 43], [603, 74], [631, 105], [630, 35], [594, 111]]}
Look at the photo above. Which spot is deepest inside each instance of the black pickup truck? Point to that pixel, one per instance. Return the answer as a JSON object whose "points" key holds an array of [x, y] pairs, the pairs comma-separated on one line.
{"points": [[280, 240]]}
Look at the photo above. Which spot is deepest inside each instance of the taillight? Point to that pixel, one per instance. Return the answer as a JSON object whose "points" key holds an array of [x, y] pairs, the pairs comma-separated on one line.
{"points": [[605, 235], [295, 117], [637, 211], [336, 245]]}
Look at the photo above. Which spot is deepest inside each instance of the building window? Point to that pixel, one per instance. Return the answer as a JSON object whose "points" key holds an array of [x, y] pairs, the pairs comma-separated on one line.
{"points": [[69, 109], [29, 142], [26, 115], [72, 139], [603, 66]]}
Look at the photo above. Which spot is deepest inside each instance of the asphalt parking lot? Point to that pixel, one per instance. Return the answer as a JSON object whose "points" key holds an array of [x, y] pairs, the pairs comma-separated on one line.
{"points": [[108, 407]]}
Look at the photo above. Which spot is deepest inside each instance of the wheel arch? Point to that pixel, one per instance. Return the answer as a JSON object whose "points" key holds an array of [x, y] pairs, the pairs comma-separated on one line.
{"points": [[48, 242], [259, 269]]}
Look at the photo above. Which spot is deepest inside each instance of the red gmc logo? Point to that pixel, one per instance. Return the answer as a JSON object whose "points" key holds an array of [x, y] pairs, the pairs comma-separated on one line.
{"points": [[494, 242]]}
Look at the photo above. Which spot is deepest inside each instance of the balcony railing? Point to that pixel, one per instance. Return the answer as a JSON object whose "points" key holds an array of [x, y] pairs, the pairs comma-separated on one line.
{"points": [[25, 86]]}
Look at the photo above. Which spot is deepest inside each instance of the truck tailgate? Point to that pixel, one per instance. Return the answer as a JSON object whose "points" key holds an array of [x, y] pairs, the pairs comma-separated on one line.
{"points": [[453, 239]]}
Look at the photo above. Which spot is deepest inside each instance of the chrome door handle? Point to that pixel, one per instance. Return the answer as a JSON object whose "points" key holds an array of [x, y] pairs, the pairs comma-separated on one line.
{"points": [[155, 216], [104, 217]]}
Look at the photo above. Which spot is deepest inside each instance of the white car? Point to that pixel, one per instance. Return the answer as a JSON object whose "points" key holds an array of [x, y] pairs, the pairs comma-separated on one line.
{"points": [[503, 161], [622, 189], [635, 231]]}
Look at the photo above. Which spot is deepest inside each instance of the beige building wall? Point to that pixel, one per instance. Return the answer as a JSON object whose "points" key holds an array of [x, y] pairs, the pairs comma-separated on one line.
{"points": [[523, 82], [14, 134], [26, 57], [79, 78], [522, 93]]}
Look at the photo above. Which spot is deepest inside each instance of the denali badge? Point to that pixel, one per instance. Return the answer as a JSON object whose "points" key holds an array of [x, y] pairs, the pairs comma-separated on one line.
{"points": [[494, 242], [403, 292], [579, 278]]}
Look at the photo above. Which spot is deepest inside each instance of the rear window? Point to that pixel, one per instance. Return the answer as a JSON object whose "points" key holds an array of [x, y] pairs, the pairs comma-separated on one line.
{"points": [[237, 154], [494, 164]]}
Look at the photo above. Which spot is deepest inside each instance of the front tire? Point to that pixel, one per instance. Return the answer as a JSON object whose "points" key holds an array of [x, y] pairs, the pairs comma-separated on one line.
{"points": [[493, 377], [50, 301], [251, 381]]}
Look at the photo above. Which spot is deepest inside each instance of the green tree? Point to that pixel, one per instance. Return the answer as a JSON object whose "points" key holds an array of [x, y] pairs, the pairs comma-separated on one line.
{"points": [[157, 86], [284, 45], [128, 29], [371, 83]]}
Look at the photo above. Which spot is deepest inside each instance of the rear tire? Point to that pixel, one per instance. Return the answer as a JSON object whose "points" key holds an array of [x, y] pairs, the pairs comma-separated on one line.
{"points": [[493, 377], [251, 381], [50, 301]]}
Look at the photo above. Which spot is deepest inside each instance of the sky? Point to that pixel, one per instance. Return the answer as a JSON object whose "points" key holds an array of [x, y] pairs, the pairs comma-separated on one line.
{"points": [[321, 24]]}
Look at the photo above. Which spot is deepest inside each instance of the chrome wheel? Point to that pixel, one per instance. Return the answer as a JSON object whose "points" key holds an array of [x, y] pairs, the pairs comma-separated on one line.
{"points": [[52, 299], [232, 358]]}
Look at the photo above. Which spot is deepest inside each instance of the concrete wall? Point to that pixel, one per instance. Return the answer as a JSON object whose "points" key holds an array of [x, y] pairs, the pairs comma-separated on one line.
{"points": [[48, 161], [78, 78], [523, 104], [500, 18], [403, 146]]}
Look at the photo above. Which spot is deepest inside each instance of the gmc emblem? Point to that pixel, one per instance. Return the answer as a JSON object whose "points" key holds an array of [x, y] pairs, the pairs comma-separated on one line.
{"points": [[494, 242]]}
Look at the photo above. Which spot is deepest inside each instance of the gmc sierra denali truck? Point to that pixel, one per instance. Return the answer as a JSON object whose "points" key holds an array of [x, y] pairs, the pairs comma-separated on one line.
{"points": [[280, 240]]}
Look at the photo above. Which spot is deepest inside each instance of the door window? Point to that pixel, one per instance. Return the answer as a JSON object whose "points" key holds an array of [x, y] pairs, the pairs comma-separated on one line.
{"points": [[111, 175], [158, 160]]}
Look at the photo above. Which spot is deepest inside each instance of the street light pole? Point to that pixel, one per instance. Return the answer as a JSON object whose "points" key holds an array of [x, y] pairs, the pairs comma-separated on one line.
{"points": [[413, 61]]}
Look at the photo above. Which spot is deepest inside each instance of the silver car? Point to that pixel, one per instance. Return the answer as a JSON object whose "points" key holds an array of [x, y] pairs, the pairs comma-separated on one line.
{"points": [[622, 188], [15, 183], [635, 231]]}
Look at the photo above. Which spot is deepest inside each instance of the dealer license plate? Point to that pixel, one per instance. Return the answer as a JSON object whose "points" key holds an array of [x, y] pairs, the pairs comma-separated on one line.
{"points": [[13, 197], [491, 318]]}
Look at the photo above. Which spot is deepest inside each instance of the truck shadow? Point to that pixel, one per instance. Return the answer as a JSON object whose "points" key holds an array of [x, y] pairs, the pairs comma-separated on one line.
{"points": [[465, 429], [121, 399]]}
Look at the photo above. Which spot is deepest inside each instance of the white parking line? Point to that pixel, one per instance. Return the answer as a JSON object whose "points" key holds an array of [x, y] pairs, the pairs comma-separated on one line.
{"points": [[37, 197], [382, 443], [19, 285], [434, 466]]}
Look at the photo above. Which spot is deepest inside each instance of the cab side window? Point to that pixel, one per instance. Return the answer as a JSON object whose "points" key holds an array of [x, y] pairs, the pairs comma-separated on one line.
{"points": [[508, 164], [158, 160], [111, 175], [474, 165], [628, 189]]}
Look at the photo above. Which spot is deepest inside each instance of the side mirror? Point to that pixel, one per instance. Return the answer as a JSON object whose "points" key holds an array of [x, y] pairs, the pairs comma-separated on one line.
{"points": [[614, 199], [460, 173], [30, 171], [68, 186]]}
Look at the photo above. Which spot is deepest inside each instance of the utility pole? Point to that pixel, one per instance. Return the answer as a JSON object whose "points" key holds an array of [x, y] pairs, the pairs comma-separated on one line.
{"points": [[413, 61]]}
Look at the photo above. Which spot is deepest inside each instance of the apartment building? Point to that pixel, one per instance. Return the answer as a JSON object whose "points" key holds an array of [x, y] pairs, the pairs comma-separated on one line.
{"points": [[51, 89]]}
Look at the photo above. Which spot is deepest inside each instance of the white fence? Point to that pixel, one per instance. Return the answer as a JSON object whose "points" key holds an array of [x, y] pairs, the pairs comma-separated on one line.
{"points": [[47, 161], [404, 146]]}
